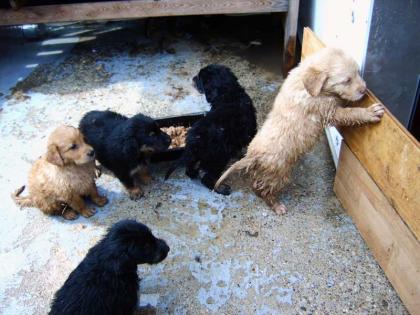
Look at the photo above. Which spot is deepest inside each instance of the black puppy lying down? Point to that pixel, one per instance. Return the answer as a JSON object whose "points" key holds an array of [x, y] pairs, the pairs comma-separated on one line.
{"points": [[123, 145], [229, 126], [106, 281]]}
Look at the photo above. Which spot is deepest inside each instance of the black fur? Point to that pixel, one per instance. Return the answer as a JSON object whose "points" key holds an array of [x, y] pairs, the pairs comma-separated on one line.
{"points": [[122, 144], [229, 126], [106, 280]]}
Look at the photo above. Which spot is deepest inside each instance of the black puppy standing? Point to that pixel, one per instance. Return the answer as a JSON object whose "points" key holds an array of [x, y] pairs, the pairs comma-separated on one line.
{"points": [[123, 145], [106, 281], [229, 126]]}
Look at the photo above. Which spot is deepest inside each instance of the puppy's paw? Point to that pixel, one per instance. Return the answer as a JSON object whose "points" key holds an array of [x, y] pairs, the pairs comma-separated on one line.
{"points": [[100, 201], [135, 193], [375, 112], [145, 178], [279, 208], [223, 189], [70, 214], [88, 212]]}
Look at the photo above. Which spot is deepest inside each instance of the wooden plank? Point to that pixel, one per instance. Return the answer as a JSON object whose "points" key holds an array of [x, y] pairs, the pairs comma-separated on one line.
{"points": [[391, 241], [290, 37], [390, 154], [117, 10], [311, 43]]}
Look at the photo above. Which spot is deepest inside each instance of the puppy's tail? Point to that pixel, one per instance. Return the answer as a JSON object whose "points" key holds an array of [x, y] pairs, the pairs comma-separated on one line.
{"points": [[21, 201], [237, 166]]}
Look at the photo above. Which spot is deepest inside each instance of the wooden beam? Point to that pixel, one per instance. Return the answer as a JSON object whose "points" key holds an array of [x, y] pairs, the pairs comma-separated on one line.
{"points": [[290, 37], [391, 241], [117, 10], [390, 154]]}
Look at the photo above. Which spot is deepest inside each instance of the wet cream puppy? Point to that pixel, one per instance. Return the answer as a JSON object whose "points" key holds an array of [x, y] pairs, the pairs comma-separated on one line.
{"points": [[313, 97], [60, 179]]}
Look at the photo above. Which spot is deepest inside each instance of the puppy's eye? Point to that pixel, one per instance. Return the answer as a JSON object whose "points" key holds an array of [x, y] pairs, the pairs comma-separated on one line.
{"points": [[348, 80], [152, 134], [73, 147]]}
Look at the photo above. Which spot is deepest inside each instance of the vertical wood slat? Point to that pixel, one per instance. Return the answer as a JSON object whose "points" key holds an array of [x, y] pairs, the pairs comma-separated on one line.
{"points": [[392, 243]]}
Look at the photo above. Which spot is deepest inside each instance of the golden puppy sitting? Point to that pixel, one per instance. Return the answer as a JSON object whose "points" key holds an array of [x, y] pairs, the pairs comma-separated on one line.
{"points": [[312, 97], [60, 179]]}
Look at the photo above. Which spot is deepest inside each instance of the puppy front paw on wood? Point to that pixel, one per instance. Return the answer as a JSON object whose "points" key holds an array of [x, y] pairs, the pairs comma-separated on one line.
{"points": [[375, 112]]}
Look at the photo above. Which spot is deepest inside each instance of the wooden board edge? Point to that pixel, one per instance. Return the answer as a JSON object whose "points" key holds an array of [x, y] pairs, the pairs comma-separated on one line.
{"points": [[392, 243], [117, 10], [373, 99]]}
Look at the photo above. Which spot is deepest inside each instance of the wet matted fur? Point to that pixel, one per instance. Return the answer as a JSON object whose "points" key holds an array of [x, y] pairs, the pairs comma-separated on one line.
{"points": [[123, 145], [106, 281], [223, 132], [60, 179], [312, 97]]}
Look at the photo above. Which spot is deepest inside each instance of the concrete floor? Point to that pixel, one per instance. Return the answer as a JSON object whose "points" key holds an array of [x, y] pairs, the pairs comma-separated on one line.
{"points": [[229, 255]]}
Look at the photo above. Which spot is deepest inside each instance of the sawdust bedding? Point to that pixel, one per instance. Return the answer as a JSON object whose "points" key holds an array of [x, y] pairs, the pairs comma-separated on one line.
{"points": [[178, 135], [131, 76]]}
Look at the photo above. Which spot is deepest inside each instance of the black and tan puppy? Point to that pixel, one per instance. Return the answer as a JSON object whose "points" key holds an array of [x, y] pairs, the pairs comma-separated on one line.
{"points": [[106, 281], [123, 145], [229, 126]]}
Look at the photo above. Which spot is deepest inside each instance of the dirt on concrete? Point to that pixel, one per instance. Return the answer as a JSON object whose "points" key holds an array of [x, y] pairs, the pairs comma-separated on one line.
{"points": [[229, 255]]}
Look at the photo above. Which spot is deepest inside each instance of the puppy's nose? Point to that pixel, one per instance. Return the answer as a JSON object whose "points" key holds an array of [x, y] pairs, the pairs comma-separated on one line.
{"points": [[91, 153], [164, 246], [363, 90]]}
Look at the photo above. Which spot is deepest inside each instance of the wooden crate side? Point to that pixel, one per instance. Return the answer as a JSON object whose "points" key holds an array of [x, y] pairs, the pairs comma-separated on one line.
{"points": [[117, 10], [392, 243], [387, 150]]}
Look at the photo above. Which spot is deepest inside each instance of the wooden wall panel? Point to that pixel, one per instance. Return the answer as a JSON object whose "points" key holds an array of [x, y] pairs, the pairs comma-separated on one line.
{"points": [[394, 246], [390, 154]]}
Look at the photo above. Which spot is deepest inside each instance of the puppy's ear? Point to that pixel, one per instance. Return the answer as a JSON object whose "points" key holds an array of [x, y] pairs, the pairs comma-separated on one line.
{"points": [[53, 155], [314, 80]]}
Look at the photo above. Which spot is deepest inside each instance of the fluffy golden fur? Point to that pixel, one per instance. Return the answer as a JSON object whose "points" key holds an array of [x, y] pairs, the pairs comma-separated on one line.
{"points": [[60, 179], [312, 97]]}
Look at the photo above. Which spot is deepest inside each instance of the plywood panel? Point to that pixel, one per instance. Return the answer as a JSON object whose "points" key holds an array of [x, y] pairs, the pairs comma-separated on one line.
{"points": [[388, 152], [116, 10], [391, 241]]}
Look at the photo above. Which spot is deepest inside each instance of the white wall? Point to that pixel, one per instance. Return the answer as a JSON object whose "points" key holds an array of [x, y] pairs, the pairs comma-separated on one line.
{"points": [[344, 24], [340, 23]]}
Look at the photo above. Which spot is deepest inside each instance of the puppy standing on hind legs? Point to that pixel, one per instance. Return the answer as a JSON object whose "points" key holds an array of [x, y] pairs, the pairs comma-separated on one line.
{"points": [[59, 180], [312, 97]]}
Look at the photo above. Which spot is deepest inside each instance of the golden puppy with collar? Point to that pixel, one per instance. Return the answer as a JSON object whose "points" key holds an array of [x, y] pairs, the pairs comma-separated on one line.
{"points": [[312, 97], [60, 179]]}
